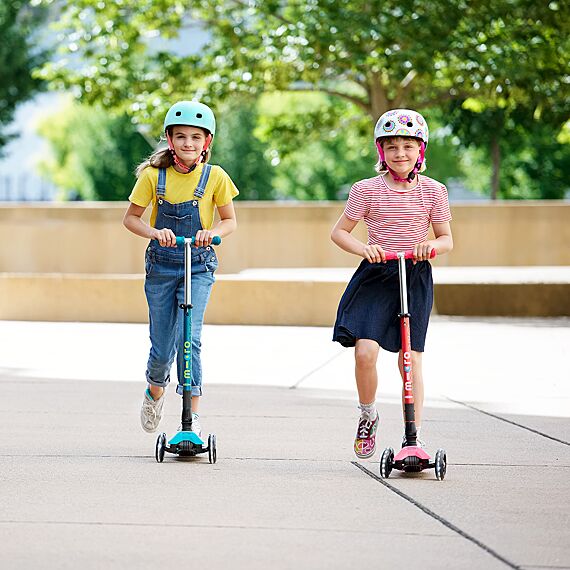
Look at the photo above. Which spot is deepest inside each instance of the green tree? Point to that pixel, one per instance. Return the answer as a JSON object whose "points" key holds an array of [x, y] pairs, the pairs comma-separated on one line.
{"points": [[523, 88], [537, 164], [527, 156], [243, 155], [94, 153], [375, 54], [369, 55], [321, 145], [18, 58]]}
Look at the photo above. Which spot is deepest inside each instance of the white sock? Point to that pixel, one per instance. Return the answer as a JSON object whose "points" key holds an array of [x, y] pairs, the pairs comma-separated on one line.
{"points": [[368, 410]]}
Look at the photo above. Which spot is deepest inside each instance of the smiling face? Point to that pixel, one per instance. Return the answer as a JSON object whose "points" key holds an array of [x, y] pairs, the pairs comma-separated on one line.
{"points": [[401, 154], [188, 143]]}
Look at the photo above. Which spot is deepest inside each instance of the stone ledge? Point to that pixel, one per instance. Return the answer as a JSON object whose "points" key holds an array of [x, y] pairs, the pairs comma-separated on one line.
{"points": [[303, 297]]}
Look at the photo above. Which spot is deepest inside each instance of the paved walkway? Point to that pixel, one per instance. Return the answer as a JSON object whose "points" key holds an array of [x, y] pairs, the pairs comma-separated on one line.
{"points": [[81, 489]]}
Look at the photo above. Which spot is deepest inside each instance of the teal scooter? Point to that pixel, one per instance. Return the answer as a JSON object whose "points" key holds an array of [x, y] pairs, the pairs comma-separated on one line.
{"points": [[186, 443]]}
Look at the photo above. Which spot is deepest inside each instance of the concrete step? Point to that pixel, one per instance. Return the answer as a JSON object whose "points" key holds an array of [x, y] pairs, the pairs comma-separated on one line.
{"points": [[284, 296]]}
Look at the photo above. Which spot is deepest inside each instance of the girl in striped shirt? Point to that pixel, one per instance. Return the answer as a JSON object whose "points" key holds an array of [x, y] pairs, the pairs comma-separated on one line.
{"points": [[397, 207]]}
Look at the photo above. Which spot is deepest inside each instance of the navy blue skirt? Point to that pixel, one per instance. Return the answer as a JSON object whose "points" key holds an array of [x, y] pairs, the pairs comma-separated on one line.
{"points": [[370, 305]]}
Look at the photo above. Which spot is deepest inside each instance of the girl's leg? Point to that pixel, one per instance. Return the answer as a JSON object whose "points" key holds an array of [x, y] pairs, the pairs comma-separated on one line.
{"points": [[365, 355], [160, 289], [155, 391], [418, 384]]}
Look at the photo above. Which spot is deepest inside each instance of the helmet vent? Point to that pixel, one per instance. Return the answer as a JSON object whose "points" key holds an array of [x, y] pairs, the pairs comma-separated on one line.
{"points": [[199, 115], [178, 113], [410, 124]]}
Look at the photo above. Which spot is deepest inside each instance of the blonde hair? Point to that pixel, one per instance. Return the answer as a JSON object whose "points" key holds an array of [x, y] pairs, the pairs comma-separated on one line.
{"points": [[378, 166], [162, 157]]}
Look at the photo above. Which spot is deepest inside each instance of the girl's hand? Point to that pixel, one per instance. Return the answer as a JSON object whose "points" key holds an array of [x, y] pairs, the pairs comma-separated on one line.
{"points": [[374, 254], [165, 237], [422, 251], [203, 238]]}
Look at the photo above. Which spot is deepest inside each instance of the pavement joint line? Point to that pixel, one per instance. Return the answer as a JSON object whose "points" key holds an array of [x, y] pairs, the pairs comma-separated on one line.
{"points": [[84, 456], [517, 424], [328, 361], [533, 567], [286, 459], [437, 517], [60, 456], [222, 526], [548, 465]]}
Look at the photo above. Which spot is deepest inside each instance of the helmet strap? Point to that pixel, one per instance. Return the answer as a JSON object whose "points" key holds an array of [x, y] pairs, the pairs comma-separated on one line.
{"points": [[411, 176], [204, 152], [201, 158], [419, 163]]}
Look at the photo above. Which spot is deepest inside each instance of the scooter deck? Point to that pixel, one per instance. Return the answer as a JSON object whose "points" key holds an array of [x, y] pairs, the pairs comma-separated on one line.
{"points": [[186, 436], [412, 459], [186, 443]]}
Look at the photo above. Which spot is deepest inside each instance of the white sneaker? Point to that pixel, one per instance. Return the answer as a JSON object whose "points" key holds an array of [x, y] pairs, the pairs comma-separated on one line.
{"points": [[419, 442], [151, 412], [196, 426]]}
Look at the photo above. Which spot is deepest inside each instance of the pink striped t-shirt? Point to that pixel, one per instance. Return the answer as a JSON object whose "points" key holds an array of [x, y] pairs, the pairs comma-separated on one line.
{"points": [[397, 220]]}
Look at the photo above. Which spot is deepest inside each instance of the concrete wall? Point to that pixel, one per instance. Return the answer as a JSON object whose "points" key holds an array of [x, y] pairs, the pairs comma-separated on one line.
{"points": [[66, 262], [266, 300], [90, 238]]}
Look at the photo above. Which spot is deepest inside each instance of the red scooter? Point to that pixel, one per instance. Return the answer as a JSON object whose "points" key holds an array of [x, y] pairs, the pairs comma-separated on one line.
{"points": [[410, 458]]}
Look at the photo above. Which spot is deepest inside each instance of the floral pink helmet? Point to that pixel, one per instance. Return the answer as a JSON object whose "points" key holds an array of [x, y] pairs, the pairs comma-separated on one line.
{"points": [[402, 123]]}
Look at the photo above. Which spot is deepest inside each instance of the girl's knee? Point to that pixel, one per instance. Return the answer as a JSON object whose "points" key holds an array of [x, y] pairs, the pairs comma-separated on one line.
{"points": [[365, 355]]}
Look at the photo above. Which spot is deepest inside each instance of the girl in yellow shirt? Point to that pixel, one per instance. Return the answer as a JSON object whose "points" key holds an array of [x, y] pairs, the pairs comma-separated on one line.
{"points": [[184, 190]]}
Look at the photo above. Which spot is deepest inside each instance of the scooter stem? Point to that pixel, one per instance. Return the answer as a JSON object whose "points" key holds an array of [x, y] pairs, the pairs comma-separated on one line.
{"points": [[403, 283], [409, 410]]}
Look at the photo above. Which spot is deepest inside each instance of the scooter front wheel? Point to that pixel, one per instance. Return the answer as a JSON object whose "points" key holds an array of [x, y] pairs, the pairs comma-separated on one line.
{"points": [[160, 447], [212, 454], [440, 464], [386, 463]]}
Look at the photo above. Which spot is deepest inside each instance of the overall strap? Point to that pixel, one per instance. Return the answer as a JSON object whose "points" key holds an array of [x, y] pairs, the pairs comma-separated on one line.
{"points": [[199, 192], [161, 186]]}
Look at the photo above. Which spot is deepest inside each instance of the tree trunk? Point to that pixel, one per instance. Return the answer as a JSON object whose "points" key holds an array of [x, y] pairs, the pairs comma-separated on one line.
{"points": [[377, 96], [496, 161]]}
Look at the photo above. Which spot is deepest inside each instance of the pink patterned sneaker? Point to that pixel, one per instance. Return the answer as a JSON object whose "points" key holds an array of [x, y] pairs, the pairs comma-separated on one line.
{"points": [[365, 441]]}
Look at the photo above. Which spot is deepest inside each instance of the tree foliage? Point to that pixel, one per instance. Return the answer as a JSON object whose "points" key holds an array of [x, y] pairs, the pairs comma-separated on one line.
{"points": [[493, 60], [376, 54], [94, 153], [18, 58], [241, 153]]}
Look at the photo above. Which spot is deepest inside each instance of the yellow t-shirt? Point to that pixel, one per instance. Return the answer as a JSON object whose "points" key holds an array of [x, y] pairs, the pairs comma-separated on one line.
{"points": [[219, 191]]}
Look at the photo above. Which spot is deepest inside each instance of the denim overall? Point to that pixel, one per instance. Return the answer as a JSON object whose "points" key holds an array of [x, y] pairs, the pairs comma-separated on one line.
{"points": [[164, 288]]}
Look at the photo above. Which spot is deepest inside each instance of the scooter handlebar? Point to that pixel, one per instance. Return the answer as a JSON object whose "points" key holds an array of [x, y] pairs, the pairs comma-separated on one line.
{"points": [[408, 254], [180, 240]]}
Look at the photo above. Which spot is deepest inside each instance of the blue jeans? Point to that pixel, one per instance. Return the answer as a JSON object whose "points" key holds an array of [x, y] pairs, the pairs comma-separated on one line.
{"points": [[164, 289]]}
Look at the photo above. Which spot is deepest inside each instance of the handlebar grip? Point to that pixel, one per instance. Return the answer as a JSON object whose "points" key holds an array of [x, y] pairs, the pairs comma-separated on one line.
{"points": [[408, 254], [216, 240]]}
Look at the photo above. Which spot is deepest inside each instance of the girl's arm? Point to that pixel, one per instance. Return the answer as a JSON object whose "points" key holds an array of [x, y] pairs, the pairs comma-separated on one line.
{"points": [[443, 242], [133, 222], [226, 225], [341, 235]]}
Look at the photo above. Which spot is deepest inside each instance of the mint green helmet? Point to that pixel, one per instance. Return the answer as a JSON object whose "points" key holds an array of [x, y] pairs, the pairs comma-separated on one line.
{"points": [[192, 114]]}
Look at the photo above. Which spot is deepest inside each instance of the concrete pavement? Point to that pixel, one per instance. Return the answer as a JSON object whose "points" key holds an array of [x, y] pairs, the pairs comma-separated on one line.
{"points": [[81, 489]]}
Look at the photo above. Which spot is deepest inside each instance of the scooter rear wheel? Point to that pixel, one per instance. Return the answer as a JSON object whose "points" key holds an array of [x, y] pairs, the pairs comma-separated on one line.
{"points": [[386, 463], [440, 464]]}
